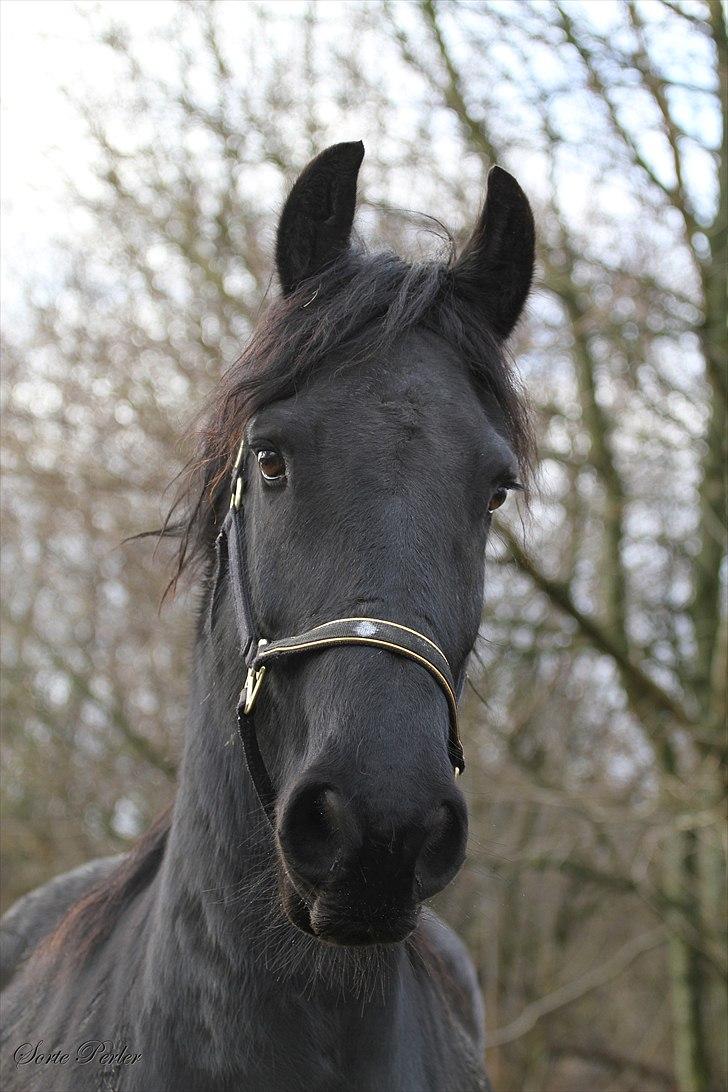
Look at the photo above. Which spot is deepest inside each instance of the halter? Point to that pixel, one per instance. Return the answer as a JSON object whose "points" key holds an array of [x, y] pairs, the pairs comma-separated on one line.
{"points": [[260, 654]]}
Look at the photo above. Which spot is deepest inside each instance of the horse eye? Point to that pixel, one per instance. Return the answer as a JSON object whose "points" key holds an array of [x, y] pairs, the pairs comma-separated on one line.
{"points": [[497, 499], [272, 465]]}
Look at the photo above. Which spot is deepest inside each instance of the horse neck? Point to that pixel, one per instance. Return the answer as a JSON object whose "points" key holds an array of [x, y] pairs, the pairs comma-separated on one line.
{"points": [[220, 854]]}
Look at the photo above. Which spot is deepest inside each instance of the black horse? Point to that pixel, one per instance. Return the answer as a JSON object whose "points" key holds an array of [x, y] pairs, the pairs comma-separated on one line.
{"points": [[269, 933]]}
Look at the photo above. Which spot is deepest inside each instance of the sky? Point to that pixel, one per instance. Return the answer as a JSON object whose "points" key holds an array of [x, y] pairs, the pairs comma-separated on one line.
{"points": [[47, 46]]}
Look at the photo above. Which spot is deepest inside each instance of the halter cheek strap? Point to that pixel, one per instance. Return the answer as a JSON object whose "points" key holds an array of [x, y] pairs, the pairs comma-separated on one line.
{"points": [[261, 654]]}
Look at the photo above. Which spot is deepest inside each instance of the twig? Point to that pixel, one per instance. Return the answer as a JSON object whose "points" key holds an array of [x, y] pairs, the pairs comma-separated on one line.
{"points": [[572, 991]]}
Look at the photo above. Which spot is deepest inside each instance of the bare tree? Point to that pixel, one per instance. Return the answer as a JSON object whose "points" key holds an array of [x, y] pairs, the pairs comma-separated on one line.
{"points": [[594, 895]]}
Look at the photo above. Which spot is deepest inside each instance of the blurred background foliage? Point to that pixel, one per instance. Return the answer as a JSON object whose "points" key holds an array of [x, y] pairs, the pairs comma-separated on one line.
{"points": [[593, 900]]}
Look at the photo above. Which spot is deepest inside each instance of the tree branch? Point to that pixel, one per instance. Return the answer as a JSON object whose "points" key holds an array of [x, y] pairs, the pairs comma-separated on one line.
{"points": [[572, 991], [641, 686]]}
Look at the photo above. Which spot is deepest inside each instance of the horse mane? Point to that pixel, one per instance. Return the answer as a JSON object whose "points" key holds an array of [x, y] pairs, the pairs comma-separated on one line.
{"points": [[356, 307], [90, 920]]}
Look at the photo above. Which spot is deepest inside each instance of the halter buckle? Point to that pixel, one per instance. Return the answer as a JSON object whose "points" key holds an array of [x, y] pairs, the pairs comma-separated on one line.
{"points": [[253, 682]]}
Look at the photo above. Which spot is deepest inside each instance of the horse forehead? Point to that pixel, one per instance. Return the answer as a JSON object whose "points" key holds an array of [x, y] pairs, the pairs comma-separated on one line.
{"points": [[404, 401], [420, 383]]}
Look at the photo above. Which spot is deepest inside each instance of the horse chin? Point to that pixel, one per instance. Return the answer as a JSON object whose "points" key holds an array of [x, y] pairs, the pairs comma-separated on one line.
{"points": [[325, 919]]}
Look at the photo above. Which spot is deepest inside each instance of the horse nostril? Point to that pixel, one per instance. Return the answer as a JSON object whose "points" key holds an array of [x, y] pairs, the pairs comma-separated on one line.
{"points": [[311, 831], [443, 850]]}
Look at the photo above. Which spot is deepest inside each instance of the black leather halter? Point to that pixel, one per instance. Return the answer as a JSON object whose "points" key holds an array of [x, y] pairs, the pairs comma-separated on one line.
{"points": [[261, 654]]}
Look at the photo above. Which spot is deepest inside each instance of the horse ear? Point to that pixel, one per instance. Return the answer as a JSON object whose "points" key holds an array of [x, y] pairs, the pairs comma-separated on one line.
{"points": [[495, 268], [316, 220]]}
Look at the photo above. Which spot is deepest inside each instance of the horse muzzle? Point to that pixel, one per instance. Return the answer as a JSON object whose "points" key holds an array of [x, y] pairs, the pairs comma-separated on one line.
{"points": [[347, 879]]}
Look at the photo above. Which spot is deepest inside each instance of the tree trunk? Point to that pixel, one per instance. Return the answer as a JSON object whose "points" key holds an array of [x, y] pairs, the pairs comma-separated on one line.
{"points": [[685, 970]]}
